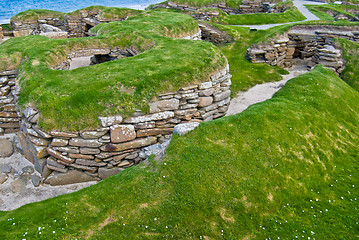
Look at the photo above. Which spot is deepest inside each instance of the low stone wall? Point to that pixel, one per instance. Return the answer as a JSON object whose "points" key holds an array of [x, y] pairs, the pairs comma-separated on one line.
{"points": [[28, 27], [9, 122], [312, 43], [68, 157], [213, 35]]}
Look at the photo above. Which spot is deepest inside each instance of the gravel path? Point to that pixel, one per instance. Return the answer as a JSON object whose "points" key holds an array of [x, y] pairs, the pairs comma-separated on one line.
{"points": [[302, 9]]}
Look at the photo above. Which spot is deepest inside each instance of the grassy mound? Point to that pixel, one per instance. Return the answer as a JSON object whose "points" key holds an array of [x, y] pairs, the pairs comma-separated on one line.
{"points": [[290, 15], [286, 167], [351, 57], [321, 11], [106, 13], [36, 14], [68, 101]]}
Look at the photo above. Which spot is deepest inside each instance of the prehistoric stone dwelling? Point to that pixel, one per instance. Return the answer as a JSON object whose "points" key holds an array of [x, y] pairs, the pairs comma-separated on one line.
{"points": [[312, 43]]}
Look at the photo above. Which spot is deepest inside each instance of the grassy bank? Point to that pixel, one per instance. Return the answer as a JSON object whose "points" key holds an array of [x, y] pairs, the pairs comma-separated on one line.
{"points": [[321, 11], [286, 167], [68, 101], [290, 15], [351, 57]]}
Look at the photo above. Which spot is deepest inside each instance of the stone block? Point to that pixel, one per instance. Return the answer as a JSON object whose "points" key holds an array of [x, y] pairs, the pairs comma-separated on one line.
{"points": [[164, 105], [70, 177], [58, 155], [151, 117], [81, 156], [122, 133], [90, 163], [154, 132], [59, 142], [184, 128], [205, 101], [92, 134], [109, 121], [105, 172], [138, 143], [89, 151], [221, 96], [63, 134], [79, 142]]}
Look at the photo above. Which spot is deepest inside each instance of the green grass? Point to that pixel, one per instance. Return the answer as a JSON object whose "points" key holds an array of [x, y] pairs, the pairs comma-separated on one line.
{"points": [[321, 11], [244, 73], [68, 101], [290, 15], [351, 57], [36, 14], [203, 3], [283, 168], [107, 13]]}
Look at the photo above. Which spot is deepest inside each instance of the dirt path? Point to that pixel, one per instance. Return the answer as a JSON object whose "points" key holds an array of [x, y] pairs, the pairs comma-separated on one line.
{"points": [[261, 92]]}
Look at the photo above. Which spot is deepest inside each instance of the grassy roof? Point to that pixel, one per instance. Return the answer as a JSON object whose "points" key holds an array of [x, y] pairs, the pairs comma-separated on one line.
{"points": [[286, 167], [321, 10], [73, 100], [36, 14]]}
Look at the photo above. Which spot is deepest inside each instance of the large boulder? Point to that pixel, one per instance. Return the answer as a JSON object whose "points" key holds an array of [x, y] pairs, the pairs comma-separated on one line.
{"points": [[70, 177], [182, 129]]}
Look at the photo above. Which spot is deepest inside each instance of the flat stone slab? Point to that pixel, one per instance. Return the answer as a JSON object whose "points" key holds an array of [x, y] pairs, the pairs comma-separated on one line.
{"points": [[182, 129], [6, 148], [72, 176]]}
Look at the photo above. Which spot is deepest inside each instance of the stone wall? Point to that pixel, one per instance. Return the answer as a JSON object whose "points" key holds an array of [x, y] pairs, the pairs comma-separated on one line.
{"points": [[312, 43], [213, 35], [68, 157], [31, 27], [9, 122]]}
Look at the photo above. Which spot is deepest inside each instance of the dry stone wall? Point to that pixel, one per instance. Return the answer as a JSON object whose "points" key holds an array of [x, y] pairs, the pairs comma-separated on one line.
{"points": [[312, 43], [9, 122], [69, 157]]}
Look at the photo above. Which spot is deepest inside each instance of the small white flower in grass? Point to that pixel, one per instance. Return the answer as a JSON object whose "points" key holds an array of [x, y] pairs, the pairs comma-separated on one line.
{"points": [[55, 220], [312, 232], [53, 231], [164, 176], [317, 200], [39, 228], [39, 232], [353, 185], [310, 200], [326, 210], [13, 224], [330, 200], [155, 219], [315, 215], [146, 226], [166, 227], [165, 164], [124, 224], [342, 197]]}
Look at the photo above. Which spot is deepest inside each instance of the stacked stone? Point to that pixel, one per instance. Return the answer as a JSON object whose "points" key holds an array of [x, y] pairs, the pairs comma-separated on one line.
{"points": [[253, 6], [331, 57], [99, 153], [213, 35], [1, 33], [28, 27], [9, 120]]}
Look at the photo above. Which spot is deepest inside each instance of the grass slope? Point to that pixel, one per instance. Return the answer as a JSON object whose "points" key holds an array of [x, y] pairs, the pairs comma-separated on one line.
{"points": [[351, 57], [68, 101], [321, 11], [286, 167], [290, 15]]}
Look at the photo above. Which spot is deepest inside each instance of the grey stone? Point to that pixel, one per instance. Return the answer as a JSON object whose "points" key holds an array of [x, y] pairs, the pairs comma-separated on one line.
{"points": [[105, 172], [164, 105], [124, 163], [141, 142], [205, 85], [6, 168], [205, 101], [109, 121], [89, 151], [221, 96], [59, 142], [28, 169], [6, 148], [1, 202], [152, 117], [17, 185], [184, 128], [78, 142], [206, 92], [3, 178], [72, 176], [122, 133], [35, 180], [92, 134]]}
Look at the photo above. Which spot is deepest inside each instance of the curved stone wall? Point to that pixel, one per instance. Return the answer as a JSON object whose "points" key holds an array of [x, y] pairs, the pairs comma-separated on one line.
{"points": [[68, 157]]}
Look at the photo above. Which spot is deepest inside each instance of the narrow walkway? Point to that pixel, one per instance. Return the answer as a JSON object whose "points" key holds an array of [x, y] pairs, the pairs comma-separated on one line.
{"points": [[302, 9], [262, 92]]}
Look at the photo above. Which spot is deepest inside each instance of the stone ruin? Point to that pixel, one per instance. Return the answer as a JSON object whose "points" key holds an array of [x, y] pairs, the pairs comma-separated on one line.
{"points": [[312, 43]]}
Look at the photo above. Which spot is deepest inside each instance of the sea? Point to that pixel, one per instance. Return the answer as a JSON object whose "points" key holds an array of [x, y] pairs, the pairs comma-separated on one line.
{"points": [[9, 8]]}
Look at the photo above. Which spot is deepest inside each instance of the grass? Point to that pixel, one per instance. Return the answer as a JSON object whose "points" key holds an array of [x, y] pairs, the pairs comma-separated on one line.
{"points": [[321, 11], [68, 101], [286, 167], [290, 15], [351, 57], [36, 14], [244, 73], [107, 13], [202, 3]]}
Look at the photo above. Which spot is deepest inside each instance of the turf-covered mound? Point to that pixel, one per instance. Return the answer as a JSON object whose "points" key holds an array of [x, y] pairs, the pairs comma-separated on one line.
{"points": [[284, 168], [73, 100]]}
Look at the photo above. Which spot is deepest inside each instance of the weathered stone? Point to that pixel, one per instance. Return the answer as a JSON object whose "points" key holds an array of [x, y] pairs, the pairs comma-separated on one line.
{"points": [[90, 163], [4, 80], [123, 163], [205, 85], [132, 156], [72, 176], [58, 155], [188, 106], [10, 125], [29, 112], [64, 134], [105, 172], [189, 88], [59, 142], [17, 185], [149, 118], [122, 133], [79, 142], [109, 121], [34, 118], [184, 128], [39, 141], [153, 132], [6, 168], [89, 151], [206, 93], [35, 180], [28, 170], [46, 172], [92, 134], [52, 162], [3, 178], [67, 149], [6, 148], [208, 114], [221, 96], [189, 96], [41, 133], [82, 156], [164, 105], [4, 90], [8, 115], [51, 167], [142, 142], [205, 101], [83, 167], [145, 125], [185, 112]]}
